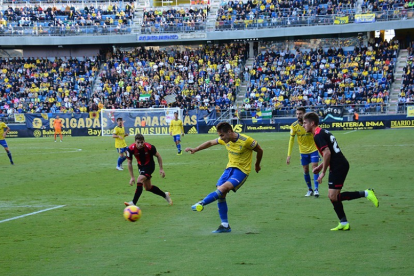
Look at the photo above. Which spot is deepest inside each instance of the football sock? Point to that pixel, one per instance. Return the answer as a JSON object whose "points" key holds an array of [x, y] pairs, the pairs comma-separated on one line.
{"points": [[10, 156], [339, 210], [308, 180], [350, 195], [138, 193], [157, 191], [222, 209], [212, 197], [179, 147], [121, 160], [315, 181]]}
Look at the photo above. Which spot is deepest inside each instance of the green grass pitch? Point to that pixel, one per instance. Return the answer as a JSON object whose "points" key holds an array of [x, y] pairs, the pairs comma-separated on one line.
{"points": [[276, 230]]}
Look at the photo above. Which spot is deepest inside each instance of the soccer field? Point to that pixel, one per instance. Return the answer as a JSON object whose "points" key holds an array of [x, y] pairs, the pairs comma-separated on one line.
{"points": [[61, 211]]}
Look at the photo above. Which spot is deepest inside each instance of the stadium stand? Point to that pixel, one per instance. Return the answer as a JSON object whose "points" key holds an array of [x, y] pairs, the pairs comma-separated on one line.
{"points": [[46, 85], [169, 20], [204, 78], [69, 20], [271, 13], [315, 78], [406, 95]]}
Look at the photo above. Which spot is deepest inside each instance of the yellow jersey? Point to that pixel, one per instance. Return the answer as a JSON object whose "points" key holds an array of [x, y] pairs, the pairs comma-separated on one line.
{"points": [[176, 127], [240, 152], [3, 126], [305, 139], [119, 143]]}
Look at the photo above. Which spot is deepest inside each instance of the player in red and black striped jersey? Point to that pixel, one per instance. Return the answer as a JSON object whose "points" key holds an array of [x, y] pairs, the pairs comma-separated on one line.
{"points": [[338, 169], [144, 154]]}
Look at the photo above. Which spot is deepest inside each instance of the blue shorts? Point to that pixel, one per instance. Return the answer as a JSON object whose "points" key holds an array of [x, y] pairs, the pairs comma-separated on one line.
{"points": [[122, 150], [313, 157], [177, 137], [3, 143], [234, 176]]}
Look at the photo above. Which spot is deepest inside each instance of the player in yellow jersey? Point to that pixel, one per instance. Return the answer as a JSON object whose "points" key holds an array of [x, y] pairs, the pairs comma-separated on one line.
{"points": [[308, 151], [4, 129], [240, 149], [119, 134], [176, 130]]}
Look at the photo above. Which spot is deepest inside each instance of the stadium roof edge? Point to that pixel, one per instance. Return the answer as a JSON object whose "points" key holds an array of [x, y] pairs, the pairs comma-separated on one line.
{"points": [[209, 36]]}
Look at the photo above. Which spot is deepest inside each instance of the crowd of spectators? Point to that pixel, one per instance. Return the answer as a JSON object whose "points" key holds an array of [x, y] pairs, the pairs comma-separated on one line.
{"points": [[201, 78], [376, 6], [283, 80], [40, 85], [206, 78], [266, 13], [174, 20], [38, 20]]}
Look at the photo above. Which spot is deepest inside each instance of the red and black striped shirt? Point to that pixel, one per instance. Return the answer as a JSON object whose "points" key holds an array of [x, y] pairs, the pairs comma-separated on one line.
{"points": [[144, 156]]}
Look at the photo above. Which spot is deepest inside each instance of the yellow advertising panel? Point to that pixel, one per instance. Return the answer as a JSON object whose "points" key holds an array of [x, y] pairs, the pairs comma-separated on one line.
{"points": [[341, 20]]}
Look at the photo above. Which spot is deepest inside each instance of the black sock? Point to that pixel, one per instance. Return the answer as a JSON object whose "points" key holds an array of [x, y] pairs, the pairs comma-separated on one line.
{"points": [[138, 193], [350, 195], [339, 210], [157, 191], [10, 156]]}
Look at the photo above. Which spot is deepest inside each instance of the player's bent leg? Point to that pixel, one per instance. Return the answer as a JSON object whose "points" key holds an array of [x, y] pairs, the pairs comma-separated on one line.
{"points": [[155, 190]]}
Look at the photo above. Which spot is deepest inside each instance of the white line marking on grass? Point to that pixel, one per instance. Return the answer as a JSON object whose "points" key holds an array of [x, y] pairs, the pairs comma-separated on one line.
{"points": [[8, 206], [350, 131], [34, 213]]}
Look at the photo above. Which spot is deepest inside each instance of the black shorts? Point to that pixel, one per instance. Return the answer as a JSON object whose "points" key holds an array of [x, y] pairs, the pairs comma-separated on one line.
{"points": [[338, 175], [146, 171]]}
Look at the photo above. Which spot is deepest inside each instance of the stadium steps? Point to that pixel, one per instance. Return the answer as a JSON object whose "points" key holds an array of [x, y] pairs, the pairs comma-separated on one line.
{"points": [[139, 15], [396, 85], [243, 86], [97, 84], [212, 15], [358, 5]]}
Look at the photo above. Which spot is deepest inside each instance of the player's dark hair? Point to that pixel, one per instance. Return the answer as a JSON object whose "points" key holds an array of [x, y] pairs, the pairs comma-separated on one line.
{"points": [[224, 127], [301, 109], [175, 112], [119, 119], [139, 137], [312, 117]]}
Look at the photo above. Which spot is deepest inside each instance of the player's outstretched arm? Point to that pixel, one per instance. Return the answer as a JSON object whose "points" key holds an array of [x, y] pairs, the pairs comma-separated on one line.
{"points": [[131, 172], [162, 173], [259, 155], [204, 145]]}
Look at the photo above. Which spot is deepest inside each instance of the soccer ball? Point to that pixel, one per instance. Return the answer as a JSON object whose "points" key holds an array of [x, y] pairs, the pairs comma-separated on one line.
{"points": [[132, 213]]}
